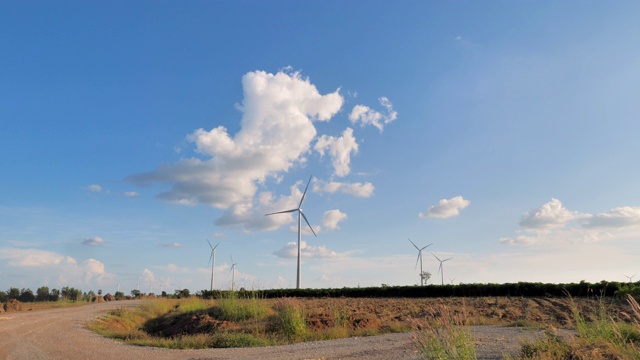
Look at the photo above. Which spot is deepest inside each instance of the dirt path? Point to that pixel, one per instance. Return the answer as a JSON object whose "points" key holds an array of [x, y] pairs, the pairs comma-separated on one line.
{"points": [[60, 334]]}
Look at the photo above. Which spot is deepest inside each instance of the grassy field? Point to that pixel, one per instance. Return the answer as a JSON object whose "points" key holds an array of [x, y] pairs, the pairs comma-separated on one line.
{"points": [[608, 329]]}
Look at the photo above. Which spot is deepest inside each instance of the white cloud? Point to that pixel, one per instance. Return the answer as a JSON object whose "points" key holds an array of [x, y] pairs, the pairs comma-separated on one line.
{"points": [[94, 241], [148, 276], [550, 215], [276, 132], [340, 150], [94, 271], [332, 218], [446, 208], [519, 240], [616, 218], [368, 116], [94, 188], [318, 252], [56, 268], [175, 245], [253, 216], [131, 194], [355, 189], [34, 258], [553, 223]]}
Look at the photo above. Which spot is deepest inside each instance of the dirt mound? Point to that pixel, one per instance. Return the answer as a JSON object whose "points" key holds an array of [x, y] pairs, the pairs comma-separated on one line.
{"points": [[109, 297], [1, 309], [170, 326], [13, 305]]}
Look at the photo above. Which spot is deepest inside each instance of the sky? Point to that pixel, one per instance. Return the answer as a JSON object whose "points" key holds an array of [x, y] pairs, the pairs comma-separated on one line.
{"points": [[504, 133]]}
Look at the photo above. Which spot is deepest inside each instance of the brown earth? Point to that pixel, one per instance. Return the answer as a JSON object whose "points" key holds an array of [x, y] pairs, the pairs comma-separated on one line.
{"points": [[60, 333], [388, 315]]}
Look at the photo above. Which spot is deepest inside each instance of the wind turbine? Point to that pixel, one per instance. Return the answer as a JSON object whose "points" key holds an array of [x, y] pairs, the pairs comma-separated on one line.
{"points": [[300, 217], [233, 273], [419, 259], [212, 260], [440, 269], [630, 277]]}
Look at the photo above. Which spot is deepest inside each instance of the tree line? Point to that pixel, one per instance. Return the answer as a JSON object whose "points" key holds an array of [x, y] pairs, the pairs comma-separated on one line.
{"points": [[67, 293]]}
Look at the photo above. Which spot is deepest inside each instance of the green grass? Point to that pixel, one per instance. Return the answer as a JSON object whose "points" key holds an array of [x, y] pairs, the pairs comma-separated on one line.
{"points": [[447, 336], [599, 337], [227, 322]]}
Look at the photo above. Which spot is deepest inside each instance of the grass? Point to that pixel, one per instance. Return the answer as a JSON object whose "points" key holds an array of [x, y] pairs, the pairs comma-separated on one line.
{"points": [[228, 322], [599, 337], [447, 336]]}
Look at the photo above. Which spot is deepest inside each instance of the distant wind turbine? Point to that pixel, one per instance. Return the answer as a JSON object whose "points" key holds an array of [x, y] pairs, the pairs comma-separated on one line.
{"points": [[233, 273], [300, 217], [419, 259], [440, 269], [630, 277], [212, 260]]}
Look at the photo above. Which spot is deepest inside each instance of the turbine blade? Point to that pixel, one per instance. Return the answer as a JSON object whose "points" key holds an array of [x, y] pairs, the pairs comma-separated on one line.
{"points": [[436, 257], [307, 221], [446, 259], [209, 243], [414, 245], [426, 246], [216, 246], [417, 259], [305, 192], [210, 258], [282, 212]]}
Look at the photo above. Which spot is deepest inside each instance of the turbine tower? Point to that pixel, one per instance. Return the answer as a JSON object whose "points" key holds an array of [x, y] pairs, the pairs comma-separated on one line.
{"points": [[233, 273], [419, 259], [212, 260], [300, 217], [440, 269]]}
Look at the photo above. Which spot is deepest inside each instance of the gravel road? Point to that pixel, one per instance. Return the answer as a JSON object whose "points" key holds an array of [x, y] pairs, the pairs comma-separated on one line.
{"points": [[60, 334]]}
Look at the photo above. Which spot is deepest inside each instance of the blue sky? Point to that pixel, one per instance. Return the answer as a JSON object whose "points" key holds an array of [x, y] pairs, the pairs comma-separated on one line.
{"points": [[505, 133]]}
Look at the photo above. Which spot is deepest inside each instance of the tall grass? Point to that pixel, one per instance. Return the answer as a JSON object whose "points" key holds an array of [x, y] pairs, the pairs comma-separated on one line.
{"points": [[599, 338], [290, 319], [234, 309], [447, 336]]}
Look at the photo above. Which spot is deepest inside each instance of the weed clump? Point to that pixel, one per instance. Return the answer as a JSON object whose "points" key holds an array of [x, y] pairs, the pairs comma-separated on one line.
{"points": [[445, 335], [290, 319]]}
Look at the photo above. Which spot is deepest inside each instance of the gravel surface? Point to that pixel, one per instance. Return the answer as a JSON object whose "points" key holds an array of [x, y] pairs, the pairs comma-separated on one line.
{"points": [[60, 334]]}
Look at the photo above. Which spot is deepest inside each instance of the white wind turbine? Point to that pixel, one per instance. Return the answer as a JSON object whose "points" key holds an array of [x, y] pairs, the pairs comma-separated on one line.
{"points": [[630, 277], [419, 259], [300, 217], [212, 260], [233, 273], [440, 269]]}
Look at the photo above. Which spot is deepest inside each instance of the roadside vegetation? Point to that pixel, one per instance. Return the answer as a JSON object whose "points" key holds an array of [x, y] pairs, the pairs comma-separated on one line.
{"points": [[193, 323], [603, 333]]}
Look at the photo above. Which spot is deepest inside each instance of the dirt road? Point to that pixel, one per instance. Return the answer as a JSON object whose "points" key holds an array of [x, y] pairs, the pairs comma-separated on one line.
{"points": [[60, 334]]}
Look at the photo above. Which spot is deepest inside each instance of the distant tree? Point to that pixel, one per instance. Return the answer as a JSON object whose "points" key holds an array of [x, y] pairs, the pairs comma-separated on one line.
{"points": [[136, 293], [54, 295], [88, 296], [425, 275], [14, 293], [72, 294], [99, 292], [184, 293], [26, 295], [4, 297], [164, 294], [42, 293], [119, 295]]}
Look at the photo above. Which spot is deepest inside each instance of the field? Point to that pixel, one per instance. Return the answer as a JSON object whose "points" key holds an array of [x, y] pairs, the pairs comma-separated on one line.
{"points": [[231, 322]]}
